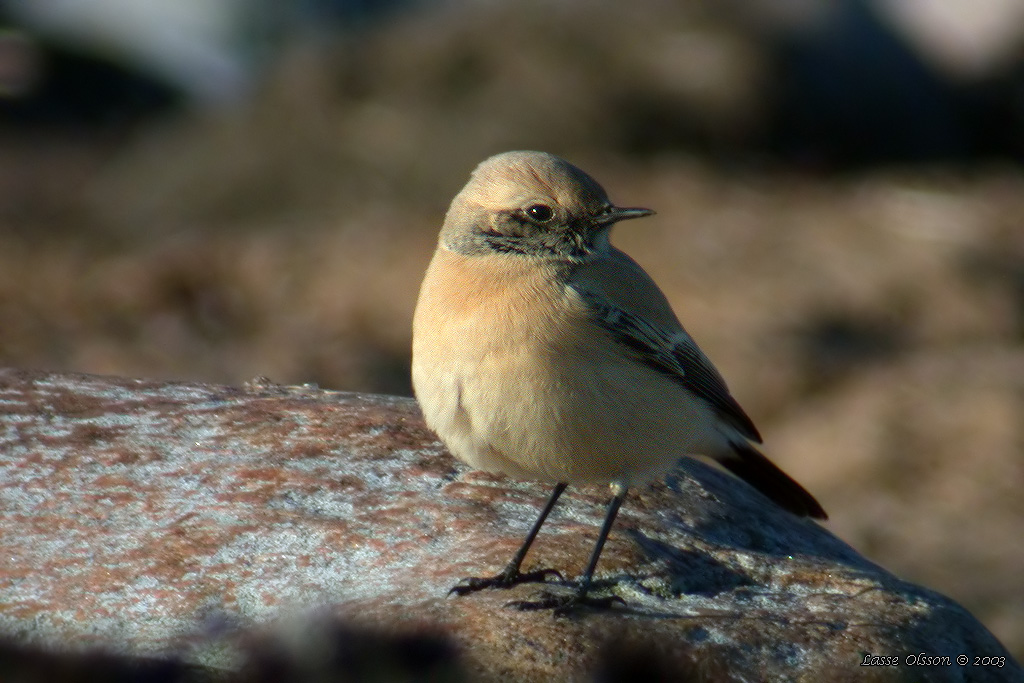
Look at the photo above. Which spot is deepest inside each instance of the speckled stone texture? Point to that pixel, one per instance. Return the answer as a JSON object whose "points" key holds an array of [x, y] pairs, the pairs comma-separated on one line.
{"points": [[163, 520]]}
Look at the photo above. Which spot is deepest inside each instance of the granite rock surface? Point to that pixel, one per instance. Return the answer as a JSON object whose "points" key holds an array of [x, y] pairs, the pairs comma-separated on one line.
{"points": [[174, 521]]}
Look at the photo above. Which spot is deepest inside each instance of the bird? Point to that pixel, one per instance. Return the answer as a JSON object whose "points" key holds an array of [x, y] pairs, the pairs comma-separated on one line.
{"points": [[542, 352]]}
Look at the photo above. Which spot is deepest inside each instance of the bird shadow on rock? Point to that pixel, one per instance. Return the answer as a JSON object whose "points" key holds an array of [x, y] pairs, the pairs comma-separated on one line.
{"points": [[690, 572], [731, 514], [716, 538]]}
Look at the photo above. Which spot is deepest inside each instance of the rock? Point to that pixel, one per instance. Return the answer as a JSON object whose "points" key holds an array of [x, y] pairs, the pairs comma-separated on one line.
{"points": [[174, 521]]}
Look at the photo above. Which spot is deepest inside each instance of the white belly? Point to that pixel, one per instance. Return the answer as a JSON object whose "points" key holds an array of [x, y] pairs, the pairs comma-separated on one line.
{"points": [[595, 428]]}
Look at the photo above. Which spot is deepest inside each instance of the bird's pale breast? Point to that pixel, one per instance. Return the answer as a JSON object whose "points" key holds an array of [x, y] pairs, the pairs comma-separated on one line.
{"points": [[513, 375]]}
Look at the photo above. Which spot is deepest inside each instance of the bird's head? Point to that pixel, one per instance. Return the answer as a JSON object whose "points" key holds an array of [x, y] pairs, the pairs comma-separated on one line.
{"points": [[535, 204]]}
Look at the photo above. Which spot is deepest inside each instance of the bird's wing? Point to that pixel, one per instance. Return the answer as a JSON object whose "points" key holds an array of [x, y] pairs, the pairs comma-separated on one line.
{"points": [[623, 300]]}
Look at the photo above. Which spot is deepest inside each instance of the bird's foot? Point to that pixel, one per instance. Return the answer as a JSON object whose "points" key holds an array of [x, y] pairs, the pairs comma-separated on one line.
{"points": [[563, 605], [505, 579]]}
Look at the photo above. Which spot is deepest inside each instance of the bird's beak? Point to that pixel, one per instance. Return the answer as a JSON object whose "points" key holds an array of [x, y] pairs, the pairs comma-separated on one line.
{"points": [[615, 214]]}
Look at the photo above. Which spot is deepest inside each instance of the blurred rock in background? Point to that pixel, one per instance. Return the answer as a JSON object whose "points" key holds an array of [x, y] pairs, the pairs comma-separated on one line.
{"points": [[215, 191]]}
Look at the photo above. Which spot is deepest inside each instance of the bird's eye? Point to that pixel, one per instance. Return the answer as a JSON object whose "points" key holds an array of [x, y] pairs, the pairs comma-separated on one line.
{"points": [[540, 212]]}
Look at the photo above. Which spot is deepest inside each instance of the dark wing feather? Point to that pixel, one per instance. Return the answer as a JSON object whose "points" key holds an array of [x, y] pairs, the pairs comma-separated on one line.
{"points": [[674, 354], [765, 476]]}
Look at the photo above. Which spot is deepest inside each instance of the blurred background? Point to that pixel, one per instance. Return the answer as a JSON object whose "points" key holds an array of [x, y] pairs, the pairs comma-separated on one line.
{"points": [[218, 189]]}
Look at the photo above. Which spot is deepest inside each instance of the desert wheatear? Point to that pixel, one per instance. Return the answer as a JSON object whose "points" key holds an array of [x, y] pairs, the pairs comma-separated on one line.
{"points": [[542, 352]]}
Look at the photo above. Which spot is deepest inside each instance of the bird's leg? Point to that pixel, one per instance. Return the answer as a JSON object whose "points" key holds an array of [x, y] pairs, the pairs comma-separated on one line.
{"points": [[564, 604], [511, 576]]}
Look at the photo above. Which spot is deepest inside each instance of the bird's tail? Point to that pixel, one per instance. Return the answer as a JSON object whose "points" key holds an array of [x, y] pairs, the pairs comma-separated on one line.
{"points": [[753, 467]]}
